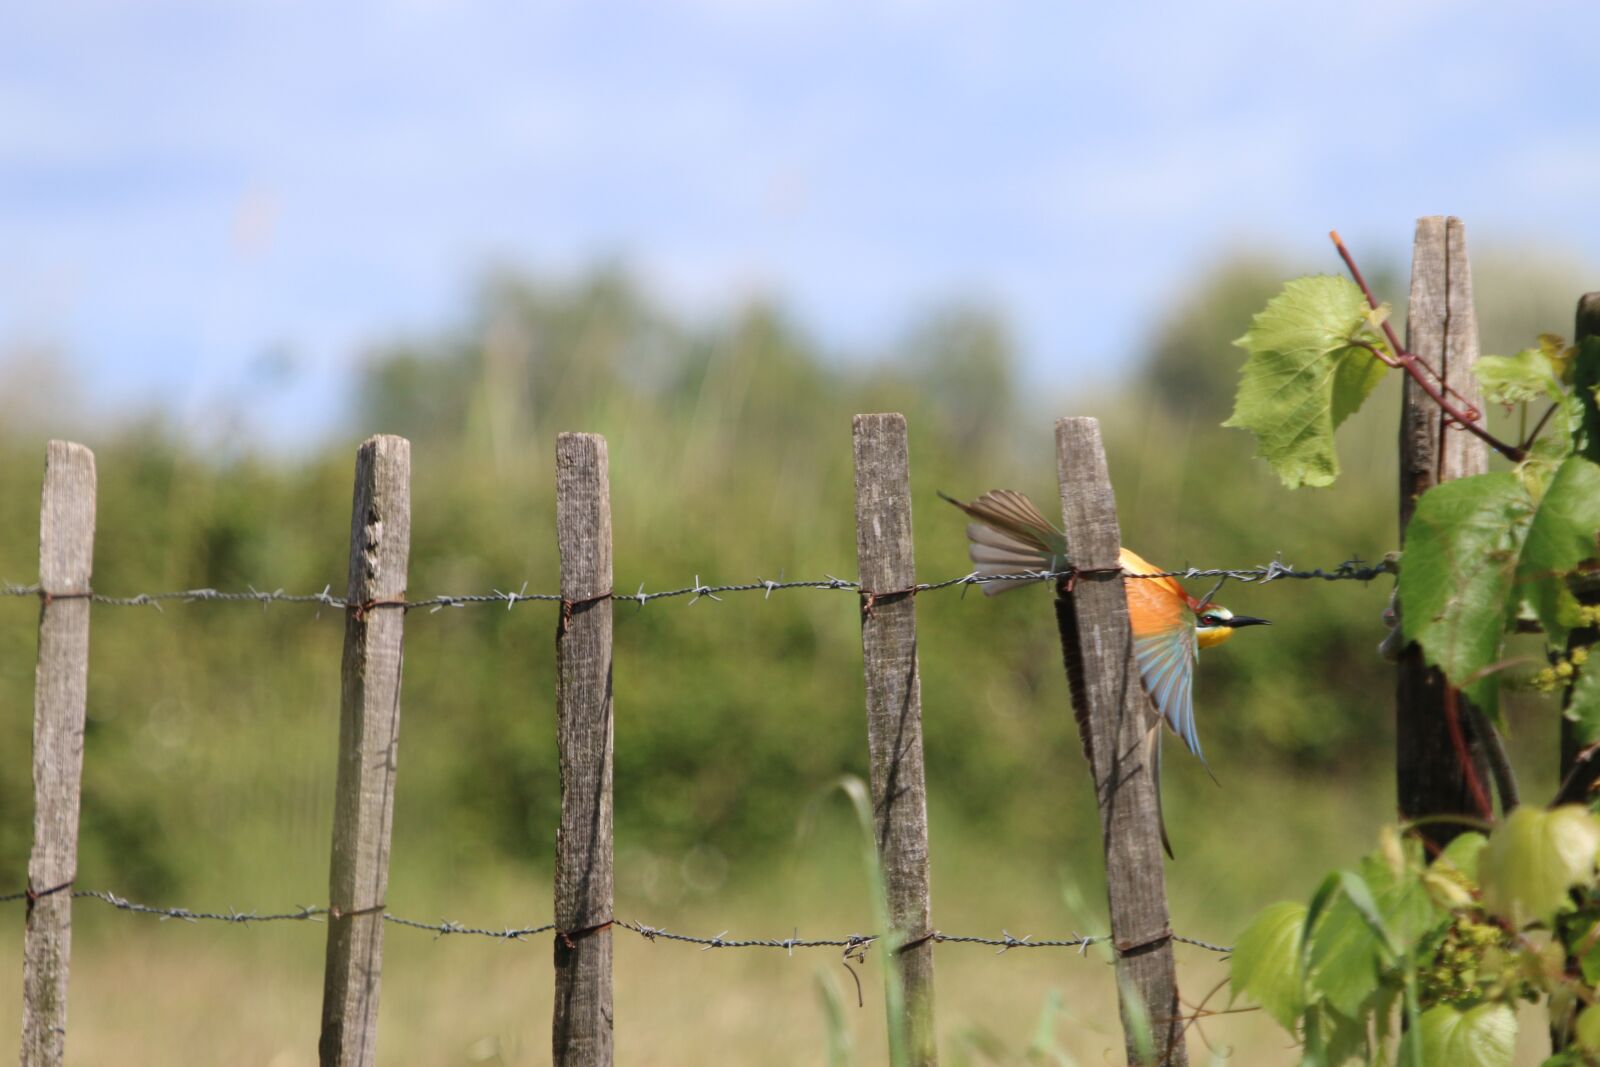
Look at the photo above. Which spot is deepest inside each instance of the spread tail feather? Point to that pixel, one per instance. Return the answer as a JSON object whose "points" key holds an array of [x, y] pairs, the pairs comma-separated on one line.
{"points": [[1010, 536]]}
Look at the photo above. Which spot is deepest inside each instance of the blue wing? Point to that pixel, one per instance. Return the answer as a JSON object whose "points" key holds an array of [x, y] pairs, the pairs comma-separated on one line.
{"points": [[1166, 664]]}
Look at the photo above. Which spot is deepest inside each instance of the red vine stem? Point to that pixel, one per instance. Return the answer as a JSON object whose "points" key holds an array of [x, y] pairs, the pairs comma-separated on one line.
{"points": [[1406, 361], [1452, 716]]}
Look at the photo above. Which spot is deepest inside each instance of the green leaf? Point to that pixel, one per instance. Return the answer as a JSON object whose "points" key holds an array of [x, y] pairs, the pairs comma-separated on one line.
{"points": [[836, 1025], [1528, 375], [1584, 945], [1378, 911], [1359, 894], [1404, 902], [1533, 858], [1304, 375], [1485, 1036], [1587, 1029], [1266, 962], [1332, 1038], [1457, 575], [1560, 538], [1346, 957], [1462, 854], [1584, 706]]}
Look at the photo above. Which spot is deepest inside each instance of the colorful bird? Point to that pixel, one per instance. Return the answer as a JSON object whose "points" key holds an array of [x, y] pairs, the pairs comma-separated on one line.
{"points": [[1169, 626]]}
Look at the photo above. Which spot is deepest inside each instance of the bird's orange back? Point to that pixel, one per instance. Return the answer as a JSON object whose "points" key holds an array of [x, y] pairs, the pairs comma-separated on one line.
{"points": [[1154, 604]]}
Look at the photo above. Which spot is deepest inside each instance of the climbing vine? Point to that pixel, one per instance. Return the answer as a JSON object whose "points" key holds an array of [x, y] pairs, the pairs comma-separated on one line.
{"points": [[1407, 958]]}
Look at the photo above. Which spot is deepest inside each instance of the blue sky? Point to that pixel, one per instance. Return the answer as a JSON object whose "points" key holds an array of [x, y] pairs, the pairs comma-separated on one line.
{"points": [[185, 187]]}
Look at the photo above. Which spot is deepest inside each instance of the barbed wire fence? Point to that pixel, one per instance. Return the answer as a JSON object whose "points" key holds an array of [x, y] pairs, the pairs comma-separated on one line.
{"points": [[1351, 570], [446, 927], [356, 912]]}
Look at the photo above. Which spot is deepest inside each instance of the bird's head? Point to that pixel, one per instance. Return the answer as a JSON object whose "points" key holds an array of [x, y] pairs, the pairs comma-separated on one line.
{"points": [[1214, 624]]}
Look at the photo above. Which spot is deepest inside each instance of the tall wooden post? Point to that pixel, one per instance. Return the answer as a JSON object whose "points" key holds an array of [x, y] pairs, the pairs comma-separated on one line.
{"points": [[60, 695], [894, 712], [369, 739], [1116, 716], [581, 1034], [1442, 329]]}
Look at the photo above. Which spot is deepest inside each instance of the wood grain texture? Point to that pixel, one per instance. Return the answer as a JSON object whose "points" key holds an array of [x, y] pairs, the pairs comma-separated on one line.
{"points": [[1442, 329], [60, 693], [581, 1034], [1097, 644], [894, 709], [369, 738]]}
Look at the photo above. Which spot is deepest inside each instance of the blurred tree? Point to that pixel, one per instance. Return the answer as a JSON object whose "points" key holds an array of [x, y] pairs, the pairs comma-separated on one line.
{"points": [[1192, 363], [963, 359]]}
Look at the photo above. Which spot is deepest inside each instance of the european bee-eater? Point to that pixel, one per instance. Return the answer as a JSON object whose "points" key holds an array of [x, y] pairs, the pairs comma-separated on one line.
{"points": [[1169, 626]]}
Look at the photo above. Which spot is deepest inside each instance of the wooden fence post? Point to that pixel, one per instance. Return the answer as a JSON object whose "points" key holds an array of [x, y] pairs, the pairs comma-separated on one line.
{"points": [[1442, 329], [60, 693], [894, 711], [1115, 716], [369, 739], [581, 1035], [1578, 782]]}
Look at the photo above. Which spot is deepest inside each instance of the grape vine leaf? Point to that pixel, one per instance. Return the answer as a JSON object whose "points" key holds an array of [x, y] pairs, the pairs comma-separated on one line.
{"points": [[1528, 375], [1587, 1029], [1378, 909], [1456, 576], [1462, 854], [1533, 857], [1304, 375], [1584, 706], [1484, 1036], [1560, 538], [1266, 962]]}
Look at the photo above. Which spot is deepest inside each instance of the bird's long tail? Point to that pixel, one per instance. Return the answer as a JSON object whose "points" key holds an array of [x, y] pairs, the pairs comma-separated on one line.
{"points": [[1010, 536], [1153, 761]]}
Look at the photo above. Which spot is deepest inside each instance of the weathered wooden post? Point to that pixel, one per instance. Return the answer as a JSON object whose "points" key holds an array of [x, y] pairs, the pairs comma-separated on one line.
{"points": [[581, 1034], [1442, 330], [60, 694], [1115, 717], [894, 711], [369, 738]]}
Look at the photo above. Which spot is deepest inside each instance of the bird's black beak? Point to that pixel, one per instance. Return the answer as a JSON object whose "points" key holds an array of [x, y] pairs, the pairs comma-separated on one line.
{"points": [[1248, 620]]}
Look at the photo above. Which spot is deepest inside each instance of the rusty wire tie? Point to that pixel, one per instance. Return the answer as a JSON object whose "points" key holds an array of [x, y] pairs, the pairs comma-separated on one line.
{"points": [[869, 599], [569, 606], [1125, 948], [1070, 582], [47, 598], [360, 611], [33, 896], [336, 912], [570, 938]]}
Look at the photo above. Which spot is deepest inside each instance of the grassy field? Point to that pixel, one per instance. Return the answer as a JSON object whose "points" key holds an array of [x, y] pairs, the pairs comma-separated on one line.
{"points": [[148, 992], [153, 992]]}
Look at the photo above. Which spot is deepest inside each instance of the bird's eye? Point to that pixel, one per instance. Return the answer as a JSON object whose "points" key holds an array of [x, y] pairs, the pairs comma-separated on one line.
{"points": [[1210, 620]]}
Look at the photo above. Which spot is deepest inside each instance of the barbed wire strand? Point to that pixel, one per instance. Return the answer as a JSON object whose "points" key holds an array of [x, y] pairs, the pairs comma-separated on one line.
{"points": [[1355, 570], [316, 913]]}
